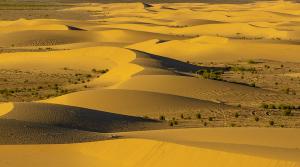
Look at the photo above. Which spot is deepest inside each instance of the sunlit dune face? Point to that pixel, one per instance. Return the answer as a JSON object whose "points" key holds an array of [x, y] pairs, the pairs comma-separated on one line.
{"points": [[6, 108]]}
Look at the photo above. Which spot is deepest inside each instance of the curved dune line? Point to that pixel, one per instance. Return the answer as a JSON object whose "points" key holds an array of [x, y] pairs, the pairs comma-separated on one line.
{"points": [[6, 108], [38, 24], [125, 153]]}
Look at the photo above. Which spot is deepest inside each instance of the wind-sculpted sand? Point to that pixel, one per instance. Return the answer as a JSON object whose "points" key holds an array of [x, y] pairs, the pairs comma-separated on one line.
{"points": [[149, 84]]}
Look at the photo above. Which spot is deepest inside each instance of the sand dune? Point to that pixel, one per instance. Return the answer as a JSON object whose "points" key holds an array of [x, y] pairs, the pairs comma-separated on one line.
{"points": [[85, 59], [75, 117], [151, 153], [131, 102], [202, 89], [236, 140], [218, 49], [23, 24], [14, 132]]}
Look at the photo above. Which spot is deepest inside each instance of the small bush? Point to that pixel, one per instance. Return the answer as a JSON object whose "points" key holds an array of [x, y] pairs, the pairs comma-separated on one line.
{"points": [[271, 106], [287, 113], [210, 118], [162, 117], [252, 62], [198, 116], [265, 106], [256, 119], [236, 115], [271, 123], [205, 124], [252, 84], [181, 116]]}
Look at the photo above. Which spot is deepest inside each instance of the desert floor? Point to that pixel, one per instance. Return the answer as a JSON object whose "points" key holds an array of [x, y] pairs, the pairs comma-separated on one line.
{"points": [[150, 84]]}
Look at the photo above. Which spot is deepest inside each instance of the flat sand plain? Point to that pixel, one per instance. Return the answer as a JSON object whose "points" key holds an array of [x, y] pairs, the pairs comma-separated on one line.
{"points": [[150, 84]]}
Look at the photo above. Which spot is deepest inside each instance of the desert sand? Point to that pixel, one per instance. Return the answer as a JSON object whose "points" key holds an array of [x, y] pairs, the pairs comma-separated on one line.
{"points": [[149, 84]]}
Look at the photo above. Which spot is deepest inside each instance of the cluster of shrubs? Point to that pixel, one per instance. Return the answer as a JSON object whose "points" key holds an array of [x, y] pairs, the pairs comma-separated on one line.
{"points": [[240, 68], [210, 74], [280, 106], [100, 71]]}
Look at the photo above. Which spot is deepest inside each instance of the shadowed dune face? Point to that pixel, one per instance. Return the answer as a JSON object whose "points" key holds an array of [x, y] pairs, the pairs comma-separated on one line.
{"points": [[15, 132], [75, 117]]}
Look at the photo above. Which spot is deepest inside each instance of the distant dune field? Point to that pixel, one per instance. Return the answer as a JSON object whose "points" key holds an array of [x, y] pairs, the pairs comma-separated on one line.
{"points": [[158, 84]]}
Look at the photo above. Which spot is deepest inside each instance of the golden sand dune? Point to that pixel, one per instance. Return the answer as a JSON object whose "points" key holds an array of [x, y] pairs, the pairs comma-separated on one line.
{"points": [[131, 102], [23, 24], [236, 140], [202, 89], [218, 49], [46, 38], [115, 153], [86, 58]]}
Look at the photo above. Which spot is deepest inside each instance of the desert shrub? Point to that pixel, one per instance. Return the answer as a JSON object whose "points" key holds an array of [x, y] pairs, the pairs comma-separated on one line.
{"points": [[271, 123], [236, 115], [215, 75], [210, 118], [263, 105], [173, 122], [198, 115], [241, 68], [287, 113], [181, 116], [271, 106], [162, 117], [205, 124], [256, 119], [252, 62], [287, 90], [252, 84], [232, 124]]}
